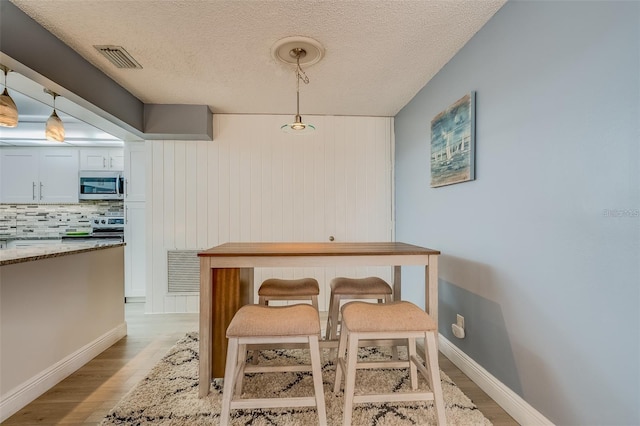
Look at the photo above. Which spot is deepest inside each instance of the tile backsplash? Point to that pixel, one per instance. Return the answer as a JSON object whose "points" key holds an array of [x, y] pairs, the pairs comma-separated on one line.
{"points": [[52, 220]]}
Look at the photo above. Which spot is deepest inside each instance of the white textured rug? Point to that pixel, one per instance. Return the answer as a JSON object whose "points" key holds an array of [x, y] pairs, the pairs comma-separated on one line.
{"points": [[169, 395]]}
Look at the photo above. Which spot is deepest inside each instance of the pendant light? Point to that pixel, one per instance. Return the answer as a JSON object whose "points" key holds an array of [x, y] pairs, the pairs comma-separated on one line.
{"points": [[8, 109], [298, 127], [55, 129]]}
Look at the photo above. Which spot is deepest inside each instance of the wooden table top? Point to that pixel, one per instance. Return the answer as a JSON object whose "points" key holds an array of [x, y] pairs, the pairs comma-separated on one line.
{"points": [[316, 249]]}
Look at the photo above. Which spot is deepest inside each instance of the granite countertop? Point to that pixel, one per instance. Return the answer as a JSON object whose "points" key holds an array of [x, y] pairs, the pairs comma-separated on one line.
{"points": [[28, 254], [13, 237]]}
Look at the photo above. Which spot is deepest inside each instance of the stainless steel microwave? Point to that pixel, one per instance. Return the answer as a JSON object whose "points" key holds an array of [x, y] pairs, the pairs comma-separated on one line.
{"points": [[101, 186]]}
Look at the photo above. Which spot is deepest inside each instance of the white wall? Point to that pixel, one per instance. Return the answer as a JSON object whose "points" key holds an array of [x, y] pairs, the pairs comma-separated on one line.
{"points": [[256, 183], [541, 253]]}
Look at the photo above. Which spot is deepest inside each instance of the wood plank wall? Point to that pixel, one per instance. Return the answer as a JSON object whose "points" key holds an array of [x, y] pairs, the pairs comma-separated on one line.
{"points": [[255, 183]]}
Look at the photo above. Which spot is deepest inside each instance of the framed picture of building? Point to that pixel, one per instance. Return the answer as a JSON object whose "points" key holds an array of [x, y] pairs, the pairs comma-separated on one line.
{"points": [[453, 143]]}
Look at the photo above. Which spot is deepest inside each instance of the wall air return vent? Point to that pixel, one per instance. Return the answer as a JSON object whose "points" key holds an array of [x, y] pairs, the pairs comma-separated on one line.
{"points": [[183, 271], [118, 56]]}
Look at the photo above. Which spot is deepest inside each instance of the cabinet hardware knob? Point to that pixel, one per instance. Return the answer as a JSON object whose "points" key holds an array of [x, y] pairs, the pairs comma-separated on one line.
{"points": [[331, 238]]}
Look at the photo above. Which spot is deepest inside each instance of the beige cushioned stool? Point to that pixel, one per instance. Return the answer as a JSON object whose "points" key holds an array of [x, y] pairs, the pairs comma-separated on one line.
{"points": [[256, 324], [353, 288], [282, 289], [397, 320]]}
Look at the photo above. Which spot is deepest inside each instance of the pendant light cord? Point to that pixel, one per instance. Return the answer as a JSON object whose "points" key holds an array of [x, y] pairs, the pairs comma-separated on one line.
{"points": [[300, 75]]}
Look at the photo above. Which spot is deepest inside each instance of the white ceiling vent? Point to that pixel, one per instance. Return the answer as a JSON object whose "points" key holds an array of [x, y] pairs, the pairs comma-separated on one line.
{"points": [[118, 56]]}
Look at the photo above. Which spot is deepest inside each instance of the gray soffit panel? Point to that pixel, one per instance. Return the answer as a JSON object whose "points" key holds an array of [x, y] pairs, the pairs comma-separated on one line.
{"points": [[31, 50], [165, 121]]}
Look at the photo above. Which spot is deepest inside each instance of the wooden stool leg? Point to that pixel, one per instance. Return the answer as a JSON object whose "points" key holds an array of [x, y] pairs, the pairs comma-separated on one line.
{"points": [[242, 361], [431, 353], [229, 381], [394, 349], [256, 354], [413, 370], [350, 375], [327, 333], [316, 371], [340, 362], [332, 324]]}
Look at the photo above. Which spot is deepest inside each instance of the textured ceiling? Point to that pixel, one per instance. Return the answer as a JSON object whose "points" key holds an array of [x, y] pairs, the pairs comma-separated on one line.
{"points": [[378, 53]]}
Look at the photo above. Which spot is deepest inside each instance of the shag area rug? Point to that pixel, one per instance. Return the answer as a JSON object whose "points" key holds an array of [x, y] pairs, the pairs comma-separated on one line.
{"points": [[169, 394]]}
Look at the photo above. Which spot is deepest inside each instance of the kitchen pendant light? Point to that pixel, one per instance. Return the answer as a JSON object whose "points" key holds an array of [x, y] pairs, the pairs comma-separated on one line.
{"points": [[298, 127], [54, 130], [8, 109]]}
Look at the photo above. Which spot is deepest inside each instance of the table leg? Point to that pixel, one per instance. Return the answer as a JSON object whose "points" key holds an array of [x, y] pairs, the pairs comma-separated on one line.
{"points": [[397, 283], [222, 292], [232, 288], [205, 319], [431, 287]]}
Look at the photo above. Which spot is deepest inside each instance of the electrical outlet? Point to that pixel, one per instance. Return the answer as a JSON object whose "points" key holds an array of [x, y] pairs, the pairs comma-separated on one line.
{"points": [[460, 321]]}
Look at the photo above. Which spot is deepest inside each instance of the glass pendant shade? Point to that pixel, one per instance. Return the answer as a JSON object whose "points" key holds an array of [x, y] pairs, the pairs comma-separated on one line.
{"points": [[55, 129], [8, 110], [298, 127]]}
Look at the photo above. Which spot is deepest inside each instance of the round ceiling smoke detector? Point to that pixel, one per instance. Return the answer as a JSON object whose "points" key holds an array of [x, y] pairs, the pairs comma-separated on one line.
{"points": [[282, 49]]}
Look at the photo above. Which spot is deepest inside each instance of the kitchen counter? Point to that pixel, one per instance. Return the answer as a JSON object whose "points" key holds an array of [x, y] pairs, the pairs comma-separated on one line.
{"points": [[28, 254], [12, 237], [61, 305]]}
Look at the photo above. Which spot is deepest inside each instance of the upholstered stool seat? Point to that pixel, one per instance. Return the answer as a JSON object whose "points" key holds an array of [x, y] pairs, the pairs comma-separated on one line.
{"points": [[283, 289], [273, 325], [353, 288], [397, 320]]}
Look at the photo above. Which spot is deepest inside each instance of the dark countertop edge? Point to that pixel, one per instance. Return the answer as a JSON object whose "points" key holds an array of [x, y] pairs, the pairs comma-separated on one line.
{"points": [[75, 250], [25, 237], [61, 237]]}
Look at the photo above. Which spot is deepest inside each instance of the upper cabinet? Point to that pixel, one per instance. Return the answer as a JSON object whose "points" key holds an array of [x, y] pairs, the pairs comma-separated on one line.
{"points": [[101, 159], [31, 175]]}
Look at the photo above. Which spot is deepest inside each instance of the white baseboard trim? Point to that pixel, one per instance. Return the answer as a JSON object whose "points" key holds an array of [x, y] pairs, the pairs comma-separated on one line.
{"points": [[512, 403], [21, 395]]}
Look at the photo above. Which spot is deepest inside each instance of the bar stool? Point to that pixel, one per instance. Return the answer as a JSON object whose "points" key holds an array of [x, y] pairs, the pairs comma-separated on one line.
{"points": [[353, 288], [282, 289], [398, 320], [256, 324]]}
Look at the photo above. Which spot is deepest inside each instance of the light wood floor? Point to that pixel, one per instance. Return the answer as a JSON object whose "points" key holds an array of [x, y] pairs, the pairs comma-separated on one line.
{"points": [[86, 396]]}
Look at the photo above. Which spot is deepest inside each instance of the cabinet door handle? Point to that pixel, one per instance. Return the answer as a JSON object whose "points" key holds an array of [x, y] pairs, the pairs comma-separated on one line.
{"points": [[111, 163], [33, 191], [41, 190], [104, 163]]}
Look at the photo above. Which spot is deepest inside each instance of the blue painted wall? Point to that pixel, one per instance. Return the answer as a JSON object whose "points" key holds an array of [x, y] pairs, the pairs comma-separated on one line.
{"points": [[541, 253]]}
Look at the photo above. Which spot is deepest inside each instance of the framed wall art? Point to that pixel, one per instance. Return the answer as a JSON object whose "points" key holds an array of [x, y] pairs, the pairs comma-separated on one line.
{"points": [[453, 143]]}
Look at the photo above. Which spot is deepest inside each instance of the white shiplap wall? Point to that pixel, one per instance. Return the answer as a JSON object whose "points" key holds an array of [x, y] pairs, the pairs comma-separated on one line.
{"points": [[255, 183]]}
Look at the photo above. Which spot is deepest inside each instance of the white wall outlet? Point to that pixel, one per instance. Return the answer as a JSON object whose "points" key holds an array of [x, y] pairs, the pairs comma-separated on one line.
{"points": [[458, 328], [457, 331], [460, 321]]}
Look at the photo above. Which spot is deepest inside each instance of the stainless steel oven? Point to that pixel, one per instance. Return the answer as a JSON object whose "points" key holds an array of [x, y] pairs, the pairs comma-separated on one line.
{"points": [[101, 185], [104, 229]]}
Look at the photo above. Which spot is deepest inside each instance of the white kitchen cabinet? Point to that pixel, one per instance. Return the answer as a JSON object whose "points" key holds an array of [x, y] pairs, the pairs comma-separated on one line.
{"points": [[135, 250], [34, 175], [101, 159], [134, 171]]}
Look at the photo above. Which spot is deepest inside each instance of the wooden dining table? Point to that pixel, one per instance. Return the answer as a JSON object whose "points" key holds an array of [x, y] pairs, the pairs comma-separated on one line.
{"points": [[227, 273]]}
